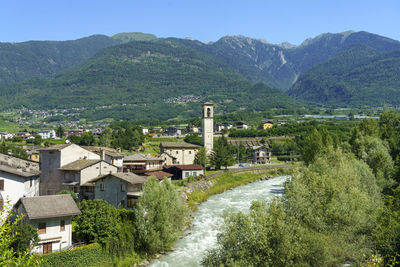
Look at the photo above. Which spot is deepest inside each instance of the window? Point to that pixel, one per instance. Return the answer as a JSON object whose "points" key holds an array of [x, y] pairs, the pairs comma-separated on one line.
{"points": [[122, 188], [62, 226], [177, 152], [47, 248], [89, 189], [1, 204], [1, 184], [131, 202], [190, 152], [122, 203], [101, 187], [42, 228], [194, 173], [187, 174], [30, 182]]}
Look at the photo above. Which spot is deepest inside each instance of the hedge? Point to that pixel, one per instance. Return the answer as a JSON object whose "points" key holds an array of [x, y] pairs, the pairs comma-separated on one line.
{"points": [[85, 256]]}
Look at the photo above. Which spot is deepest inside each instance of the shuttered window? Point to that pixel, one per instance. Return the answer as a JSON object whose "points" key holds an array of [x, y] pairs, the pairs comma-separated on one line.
{"points": [[42, 228], [1, 204], [1, 184], [101, 187], [62, 226]]}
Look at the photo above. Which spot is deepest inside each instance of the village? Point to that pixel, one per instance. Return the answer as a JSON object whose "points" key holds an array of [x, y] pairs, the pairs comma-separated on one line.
{"points": [[32, 186]]}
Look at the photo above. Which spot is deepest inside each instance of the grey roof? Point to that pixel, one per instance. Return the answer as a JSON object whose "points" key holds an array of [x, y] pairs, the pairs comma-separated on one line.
{"points": [[108, 151], [128, 177], [18, 171], [178, 145], [51, 206], [79, 164], [57, 147], [140, 157]]}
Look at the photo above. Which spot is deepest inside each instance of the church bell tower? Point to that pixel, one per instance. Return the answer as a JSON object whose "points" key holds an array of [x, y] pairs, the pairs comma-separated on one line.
{"points": [[208, 126]]}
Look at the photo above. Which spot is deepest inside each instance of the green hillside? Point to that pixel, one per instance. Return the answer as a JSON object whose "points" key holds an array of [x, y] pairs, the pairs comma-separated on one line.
{"points": [[20, 61], [142, 77], [359, 76]]}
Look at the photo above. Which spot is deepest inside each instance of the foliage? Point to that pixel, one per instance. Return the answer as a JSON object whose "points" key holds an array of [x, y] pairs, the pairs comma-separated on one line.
{"points": [[160, 216], [359, 76], [9, 239], [98, 221], [193, 139], [24, 237], [15, 151], [221, 154], [201, 157], [314, 145], [324, 219], [60, 132], [89, 255], [72, 193]]}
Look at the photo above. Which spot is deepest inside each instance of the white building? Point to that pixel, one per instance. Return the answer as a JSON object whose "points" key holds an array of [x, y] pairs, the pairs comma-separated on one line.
{"points": [[18, 178], [53, 158], [47, 134], [145, 131], [261, 154], [208, 127], [178, 152], [51, 216]]}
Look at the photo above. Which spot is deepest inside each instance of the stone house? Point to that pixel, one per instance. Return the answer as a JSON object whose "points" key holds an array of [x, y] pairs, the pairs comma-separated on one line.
{"points": [[79, 172], [181, 153], [141, 163], [109, 155], [18, 178], [52, 217], [261, 154], [181, 172], [119, 189], [53, 158]]}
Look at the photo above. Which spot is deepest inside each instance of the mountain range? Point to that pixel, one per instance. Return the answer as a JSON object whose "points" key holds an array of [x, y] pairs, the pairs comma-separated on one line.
{"points": [[142, 71]]}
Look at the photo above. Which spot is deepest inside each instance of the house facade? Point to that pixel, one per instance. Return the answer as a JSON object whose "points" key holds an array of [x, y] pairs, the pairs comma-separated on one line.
{"points": [[181, 172], [52, 217], [141, 163], [181, 153], [18, 178], [261, 154], [47, 134], [119, 189], [109, 155], [53, 158]]}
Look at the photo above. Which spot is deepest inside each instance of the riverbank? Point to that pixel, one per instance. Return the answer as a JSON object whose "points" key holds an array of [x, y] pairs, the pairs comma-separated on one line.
{"points": [[208, 220], [199, 191]]}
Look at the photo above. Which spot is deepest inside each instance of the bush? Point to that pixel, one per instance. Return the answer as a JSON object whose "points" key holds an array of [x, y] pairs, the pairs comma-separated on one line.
{"points": [[89, 255]]}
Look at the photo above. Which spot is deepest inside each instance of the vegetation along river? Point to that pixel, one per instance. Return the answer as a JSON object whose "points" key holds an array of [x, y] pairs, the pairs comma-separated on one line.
{"points": [[207, 221]]}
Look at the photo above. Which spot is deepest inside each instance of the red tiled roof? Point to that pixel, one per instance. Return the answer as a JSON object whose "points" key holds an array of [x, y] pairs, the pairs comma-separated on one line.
{"points": [[159, 174], [185, 167]]}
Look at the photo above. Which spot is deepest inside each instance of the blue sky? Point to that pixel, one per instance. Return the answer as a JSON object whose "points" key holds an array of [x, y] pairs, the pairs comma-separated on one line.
{"points": [[204, 20]]}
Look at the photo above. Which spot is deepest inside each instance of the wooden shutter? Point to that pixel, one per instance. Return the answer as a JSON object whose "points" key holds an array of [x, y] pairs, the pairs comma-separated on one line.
{"points": [[1, 184], [1, 204], [62, 226], [42, 228], [47, 248]]}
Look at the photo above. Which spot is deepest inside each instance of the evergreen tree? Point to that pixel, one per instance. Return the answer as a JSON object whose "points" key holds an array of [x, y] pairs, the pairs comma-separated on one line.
{"points": [[221, 154]]}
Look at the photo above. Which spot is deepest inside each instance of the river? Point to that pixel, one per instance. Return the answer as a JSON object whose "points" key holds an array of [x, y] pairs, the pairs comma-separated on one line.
{"points": [[207, 221]]}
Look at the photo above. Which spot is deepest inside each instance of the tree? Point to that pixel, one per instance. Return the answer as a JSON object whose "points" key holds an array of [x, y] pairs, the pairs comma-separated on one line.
{"points": [[98, 221], [160, 216], [38, 140], [60, 132], [221, 154], [73, 194], [315, 144], [87, 139], [25, 237], [8, 243], [201, 157], [325, 218], [106, 137]]}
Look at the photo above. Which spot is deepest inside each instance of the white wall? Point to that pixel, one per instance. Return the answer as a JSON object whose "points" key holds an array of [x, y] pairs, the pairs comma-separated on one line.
{"points": [[188, 173], [96, 170], [53, 231], [16, 187], [183, 156]]}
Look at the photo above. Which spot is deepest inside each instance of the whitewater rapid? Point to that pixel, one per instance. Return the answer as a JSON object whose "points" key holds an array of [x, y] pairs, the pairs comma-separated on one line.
{"points": [[189, 250]]}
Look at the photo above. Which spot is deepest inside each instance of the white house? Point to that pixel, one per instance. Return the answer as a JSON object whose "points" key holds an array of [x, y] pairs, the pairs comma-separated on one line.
{"points": [[18, 178], [55, 157], [261, 154], [47, 134], [178, 152], [51, 216]]}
